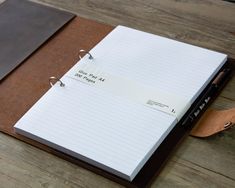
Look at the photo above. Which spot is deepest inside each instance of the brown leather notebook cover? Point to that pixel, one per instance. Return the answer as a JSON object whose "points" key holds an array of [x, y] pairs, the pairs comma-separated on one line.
{"points": [[21, 89], [24, 26]]}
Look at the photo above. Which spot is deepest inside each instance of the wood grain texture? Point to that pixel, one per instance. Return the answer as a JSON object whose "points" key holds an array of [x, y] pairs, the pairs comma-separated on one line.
{"points": [[210, 23], [196, 162]]}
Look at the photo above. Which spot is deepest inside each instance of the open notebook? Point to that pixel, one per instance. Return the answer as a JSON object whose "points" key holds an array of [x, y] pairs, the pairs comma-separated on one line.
{"points": [[116, 109]]}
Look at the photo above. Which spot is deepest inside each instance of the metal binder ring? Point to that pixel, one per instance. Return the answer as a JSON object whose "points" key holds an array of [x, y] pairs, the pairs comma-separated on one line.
{"points": [[53, 79], [86, 52]]}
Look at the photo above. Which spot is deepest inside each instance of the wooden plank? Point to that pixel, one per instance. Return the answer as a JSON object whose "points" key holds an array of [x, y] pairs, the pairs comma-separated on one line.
{"points": [[222, 103], [21, 163], [30, 167], [229, 91], [209, 23], [181, 173], [215, 153]]}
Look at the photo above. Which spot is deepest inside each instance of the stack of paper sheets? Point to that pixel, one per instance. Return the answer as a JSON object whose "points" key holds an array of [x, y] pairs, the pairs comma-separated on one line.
{"points": [[101, 115]]}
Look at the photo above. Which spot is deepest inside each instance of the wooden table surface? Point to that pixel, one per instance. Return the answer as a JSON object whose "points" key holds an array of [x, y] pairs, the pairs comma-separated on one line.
{"points": [[208, 162]]}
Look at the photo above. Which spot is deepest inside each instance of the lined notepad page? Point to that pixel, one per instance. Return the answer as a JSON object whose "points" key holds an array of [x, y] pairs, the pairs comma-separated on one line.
{"points": [[110, 131], [156, 61]]}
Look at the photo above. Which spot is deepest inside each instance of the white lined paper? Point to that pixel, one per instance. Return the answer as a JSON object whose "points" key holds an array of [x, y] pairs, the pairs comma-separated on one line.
{"points": [[110, 131], [183, 67]]}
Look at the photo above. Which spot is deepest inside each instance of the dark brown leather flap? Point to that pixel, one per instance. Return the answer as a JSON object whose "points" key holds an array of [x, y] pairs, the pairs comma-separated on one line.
{"points": [[24, 26]]}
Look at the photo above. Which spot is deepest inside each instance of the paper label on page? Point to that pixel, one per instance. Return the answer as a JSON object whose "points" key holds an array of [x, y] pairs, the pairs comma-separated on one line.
{"points": [[92, 75], [88, 76]]}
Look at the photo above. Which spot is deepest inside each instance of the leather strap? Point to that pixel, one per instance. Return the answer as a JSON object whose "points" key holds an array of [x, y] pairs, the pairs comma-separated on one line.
{"points": [[214, 121]]}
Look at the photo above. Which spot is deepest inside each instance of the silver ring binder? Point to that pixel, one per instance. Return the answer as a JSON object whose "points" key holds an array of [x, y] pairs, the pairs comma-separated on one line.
{"points": [[53, 78], [86, 52]]}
